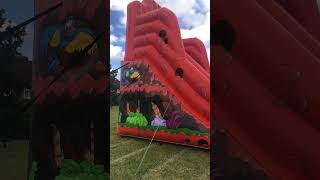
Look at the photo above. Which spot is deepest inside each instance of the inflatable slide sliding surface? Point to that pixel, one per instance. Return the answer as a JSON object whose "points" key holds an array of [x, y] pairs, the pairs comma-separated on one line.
{"points": [[165, 85], [267, 62]]}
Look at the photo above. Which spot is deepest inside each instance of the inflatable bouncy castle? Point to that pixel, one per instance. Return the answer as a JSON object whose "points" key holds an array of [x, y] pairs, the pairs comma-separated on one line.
{"points": [[165, 93], [266, 60], [69, 80]]}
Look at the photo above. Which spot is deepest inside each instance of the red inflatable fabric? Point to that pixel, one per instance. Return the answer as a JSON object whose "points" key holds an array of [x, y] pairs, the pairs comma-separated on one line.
{"points": [[305, 12], [267, 82], [144, 44], [180, 65]]}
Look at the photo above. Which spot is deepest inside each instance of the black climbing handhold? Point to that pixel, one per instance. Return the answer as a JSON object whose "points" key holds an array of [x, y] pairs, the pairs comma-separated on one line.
{"points": [[223, 34], [162, 33], [179, 72]]}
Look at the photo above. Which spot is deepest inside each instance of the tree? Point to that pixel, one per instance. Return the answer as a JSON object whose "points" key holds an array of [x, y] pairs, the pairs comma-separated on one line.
{"points": [[10, 41], [114, 89], [9, 44]]}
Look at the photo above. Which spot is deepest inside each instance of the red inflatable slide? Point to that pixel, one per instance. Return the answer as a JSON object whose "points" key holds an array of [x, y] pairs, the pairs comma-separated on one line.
{"points": [[180, 66], [267, 96]]}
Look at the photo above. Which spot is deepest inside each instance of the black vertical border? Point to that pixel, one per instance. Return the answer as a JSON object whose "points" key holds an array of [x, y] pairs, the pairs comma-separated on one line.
{"points": [[106, 105], [212, 127]]}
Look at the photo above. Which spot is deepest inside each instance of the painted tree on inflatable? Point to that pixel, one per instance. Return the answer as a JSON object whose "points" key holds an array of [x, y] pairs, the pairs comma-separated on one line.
{"points": [[69, 58], [165, 93]]}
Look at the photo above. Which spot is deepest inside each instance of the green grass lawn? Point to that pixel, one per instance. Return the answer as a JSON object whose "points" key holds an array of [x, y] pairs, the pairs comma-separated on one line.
{"points": [[14, 160], [163, 160]]}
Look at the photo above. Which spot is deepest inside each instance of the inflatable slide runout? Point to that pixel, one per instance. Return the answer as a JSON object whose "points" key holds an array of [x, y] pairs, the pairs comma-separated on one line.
{"points": [[165, 85]]}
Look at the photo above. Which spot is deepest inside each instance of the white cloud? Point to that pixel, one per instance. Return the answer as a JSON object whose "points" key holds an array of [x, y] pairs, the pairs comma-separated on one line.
{"points": [[115, 51], [111, 28], [122, 38], [206, 4], [120, 5], [118, 75], [117, 39], [202, 31], [123, 20], [187, 13], [113, 38]]}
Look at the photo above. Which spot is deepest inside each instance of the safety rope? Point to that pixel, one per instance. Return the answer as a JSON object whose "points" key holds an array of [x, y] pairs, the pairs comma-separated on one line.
{"points": [[154, 134]]}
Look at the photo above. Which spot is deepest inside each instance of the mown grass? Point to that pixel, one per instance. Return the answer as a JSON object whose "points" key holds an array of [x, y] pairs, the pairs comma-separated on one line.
{"points": [[14, 160], [163, 160]]}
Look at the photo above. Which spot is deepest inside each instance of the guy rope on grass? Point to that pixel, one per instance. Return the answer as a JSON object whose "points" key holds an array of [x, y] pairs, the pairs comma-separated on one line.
{"points": [[162, 165], [154, 134]]}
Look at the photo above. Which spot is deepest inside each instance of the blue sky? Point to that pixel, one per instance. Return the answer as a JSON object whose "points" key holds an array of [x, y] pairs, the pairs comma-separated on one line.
{"points": [[117, 38], [193, 17]]}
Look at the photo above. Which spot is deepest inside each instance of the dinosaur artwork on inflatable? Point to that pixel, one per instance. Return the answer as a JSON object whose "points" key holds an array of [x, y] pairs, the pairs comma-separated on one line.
{"points": [[266, 60], [165, 83], [70, 115]]}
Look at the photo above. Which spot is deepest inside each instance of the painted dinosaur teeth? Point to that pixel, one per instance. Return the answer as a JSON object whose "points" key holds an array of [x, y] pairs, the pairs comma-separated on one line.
{"points": [[149, 90]]}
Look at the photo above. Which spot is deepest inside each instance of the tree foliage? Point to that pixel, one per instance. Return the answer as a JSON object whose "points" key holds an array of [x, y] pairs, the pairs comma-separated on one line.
{"points": [[114, 89], [10, 40]]}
